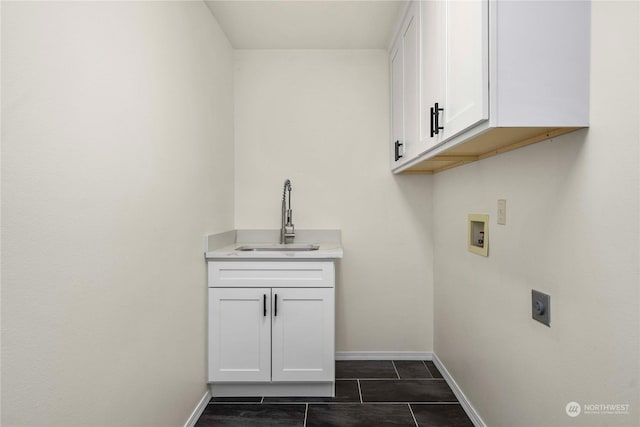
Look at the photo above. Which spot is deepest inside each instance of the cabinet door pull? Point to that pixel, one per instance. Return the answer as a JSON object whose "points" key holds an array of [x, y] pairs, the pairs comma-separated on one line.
{"points": [[398, 156], [264, 305], [435, 120], [275, 306]]}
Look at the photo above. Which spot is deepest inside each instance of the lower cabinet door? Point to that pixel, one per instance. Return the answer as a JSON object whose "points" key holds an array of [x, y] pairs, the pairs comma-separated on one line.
{"points": [[239, 334], [303, 334]]}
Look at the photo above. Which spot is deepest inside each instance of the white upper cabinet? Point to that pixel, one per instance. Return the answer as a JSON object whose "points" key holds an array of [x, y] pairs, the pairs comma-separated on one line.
{"points": [[466, 75], [431, 67], [411, 82], [405, 80], [493, 75], [397, 104]]}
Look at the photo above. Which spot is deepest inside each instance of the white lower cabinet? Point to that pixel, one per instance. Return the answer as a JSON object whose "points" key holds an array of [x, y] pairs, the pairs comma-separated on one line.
{"points": [[239, 334], [266, 338], [302, 346]]}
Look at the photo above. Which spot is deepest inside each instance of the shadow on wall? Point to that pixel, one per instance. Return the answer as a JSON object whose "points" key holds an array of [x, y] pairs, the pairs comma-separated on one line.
{"points": [[416, 193]]}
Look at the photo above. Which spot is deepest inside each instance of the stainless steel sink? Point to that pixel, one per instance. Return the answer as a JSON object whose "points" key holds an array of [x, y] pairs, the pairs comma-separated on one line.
{"points": [[279, 247]]}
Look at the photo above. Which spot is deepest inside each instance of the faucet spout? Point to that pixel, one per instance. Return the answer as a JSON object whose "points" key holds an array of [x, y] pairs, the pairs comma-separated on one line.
{"points": [[287, 231]]}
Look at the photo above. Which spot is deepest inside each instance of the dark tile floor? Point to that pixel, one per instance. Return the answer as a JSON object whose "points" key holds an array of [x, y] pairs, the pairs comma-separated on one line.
{"points": [[369, 393]]}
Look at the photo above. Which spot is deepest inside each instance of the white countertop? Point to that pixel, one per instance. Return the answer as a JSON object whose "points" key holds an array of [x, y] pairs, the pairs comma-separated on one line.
{"points": [[325, 251], [224, 246]]}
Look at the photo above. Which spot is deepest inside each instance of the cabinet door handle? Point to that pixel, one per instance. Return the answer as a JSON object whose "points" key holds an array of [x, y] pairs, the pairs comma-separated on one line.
{"points": [[264, 305], [435, 120], [275, 306], [434, 117], [398, 156]]}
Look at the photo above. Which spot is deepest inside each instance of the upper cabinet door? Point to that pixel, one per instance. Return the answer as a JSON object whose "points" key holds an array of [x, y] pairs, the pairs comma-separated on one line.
{"points": [[397, 104], [431, 68], [411, 47], [405, 92], [466, 73]]}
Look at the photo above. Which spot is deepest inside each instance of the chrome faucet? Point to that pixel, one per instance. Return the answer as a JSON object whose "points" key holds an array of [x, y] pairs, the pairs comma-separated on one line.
{"points": [[287, 232]]}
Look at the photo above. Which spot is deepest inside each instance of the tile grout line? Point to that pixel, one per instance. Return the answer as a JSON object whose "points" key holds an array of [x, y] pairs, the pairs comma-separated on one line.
{"points": [[359, 391], [428, 370], [412, 415], [393, 379], [396, 369], [436, 402], [429, 402]]}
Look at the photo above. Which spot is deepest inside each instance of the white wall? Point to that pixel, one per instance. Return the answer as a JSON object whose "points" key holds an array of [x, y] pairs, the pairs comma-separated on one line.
{"points": [[573, 232], [320, 118], [116, 160]]}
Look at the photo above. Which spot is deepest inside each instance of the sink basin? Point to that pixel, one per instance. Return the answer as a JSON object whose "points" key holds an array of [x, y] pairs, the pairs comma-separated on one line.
{"points": [[279, 247]]}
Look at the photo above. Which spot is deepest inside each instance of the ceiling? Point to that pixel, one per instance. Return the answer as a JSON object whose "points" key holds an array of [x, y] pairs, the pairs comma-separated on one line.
{"points": [[307, 24]]}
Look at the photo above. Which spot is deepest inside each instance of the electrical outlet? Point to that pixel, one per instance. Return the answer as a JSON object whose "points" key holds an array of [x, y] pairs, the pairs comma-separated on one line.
{"points": [[541, 307], [502, 212]]}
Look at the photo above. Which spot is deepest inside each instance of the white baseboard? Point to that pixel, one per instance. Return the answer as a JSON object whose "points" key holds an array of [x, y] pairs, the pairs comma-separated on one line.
{"points": [[468, 408], [384, 355], [200, 407]]}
